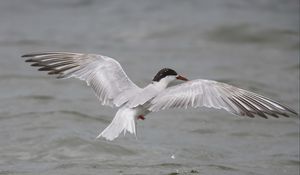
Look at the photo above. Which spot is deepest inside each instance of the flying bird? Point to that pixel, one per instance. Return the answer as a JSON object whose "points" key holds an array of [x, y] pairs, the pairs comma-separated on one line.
{"points": [[113, 88]]}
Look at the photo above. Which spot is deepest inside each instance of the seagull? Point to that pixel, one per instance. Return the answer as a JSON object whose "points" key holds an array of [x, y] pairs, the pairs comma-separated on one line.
{"points": [[114, 88]]}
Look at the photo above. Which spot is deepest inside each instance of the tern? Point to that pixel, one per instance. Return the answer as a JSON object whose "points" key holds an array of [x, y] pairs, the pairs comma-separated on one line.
{"points": [[113, 88]]}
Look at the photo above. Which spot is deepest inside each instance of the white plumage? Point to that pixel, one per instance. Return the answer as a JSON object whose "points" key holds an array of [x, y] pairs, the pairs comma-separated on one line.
{"points": [[113, 88]]}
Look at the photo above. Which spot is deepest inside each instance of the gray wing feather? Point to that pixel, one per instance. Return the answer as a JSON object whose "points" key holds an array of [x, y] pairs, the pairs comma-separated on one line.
{"points": [[212, 94], [105, 75]]}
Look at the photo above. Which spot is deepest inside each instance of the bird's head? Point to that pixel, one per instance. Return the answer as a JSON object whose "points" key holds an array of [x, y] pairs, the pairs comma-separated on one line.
{"points": [[167, 75]]}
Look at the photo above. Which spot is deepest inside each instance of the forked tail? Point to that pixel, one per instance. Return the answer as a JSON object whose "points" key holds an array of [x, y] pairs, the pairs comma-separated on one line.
{"points": [[123, 121]]}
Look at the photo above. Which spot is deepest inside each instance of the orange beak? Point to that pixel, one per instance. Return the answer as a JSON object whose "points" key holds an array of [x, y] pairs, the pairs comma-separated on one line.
{"points": [[179, 77]]}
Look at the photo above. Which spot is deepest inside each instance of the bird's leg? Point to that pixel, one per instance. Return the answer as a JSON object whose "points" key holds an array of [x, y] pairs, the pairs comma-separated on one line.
{"points": [[141, 117]]}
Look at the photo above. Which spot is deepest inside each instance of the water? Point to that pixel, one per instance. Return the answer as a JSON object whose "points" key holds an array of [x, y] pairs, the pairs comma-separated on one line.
{"points": [[48, 126]]}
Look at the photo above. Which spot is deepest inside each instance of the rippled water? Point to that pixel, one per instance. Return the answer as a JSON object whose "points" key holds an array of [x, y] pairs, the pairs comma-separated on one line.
{"points": [[48, 126]]}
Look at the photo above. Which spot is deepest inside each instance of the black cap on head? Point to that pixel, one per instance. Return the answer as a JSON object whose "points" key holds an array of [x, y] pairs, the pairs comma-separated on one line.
{"points": [[163, 73]]}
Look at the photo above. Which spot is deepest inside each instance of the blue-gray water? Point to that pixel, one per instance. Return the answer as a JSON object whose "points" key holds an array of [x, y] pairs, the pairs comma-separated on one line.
{"points": [[48, 126]]}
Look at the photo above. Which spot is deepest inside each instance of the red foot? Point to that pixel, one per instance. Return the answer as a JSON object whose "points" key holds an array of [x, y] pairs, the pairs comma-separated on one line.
{"points": [[141, 117]]}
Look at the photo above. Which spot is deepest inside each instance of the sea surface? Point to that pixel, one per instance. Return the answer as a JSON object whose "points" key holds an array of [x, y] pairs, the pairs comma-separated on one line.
{"points": [[48, 126]]}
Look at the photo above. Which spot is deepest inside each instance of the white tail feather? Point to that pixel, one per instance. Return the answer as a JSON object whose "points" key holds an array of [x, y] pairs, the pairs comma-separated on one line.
{"points": [[123, 121]]}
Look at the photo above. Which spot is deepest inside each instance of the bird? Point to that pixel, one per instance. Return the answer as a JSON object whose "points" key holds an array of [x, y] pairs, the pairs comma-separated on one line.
{"points": [[114, 88]]}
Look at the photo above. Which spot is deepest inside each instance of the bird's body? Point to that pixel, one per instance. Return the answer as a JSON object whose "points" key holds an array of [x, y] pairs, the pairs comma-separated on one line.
{"points": [[113, 88], [135, 108]]}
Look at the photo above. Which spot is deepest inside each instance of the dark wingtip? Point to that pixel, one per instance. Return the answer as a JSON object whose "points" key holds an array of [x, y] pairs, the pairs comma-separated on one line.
{"points": [[273, 115], [262, 115], [290, 110], [35, 64], [52, 72], [29, 60], [45, 69], [40, 54], [293, 112], [28, 55], [33, 55]]}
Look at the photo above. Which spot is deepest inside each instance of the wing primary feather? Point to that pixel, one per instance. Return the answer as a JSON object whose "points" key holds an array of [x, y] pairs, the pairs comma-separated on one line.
{"points": [[231, 109], [194, 96], [270, 105], [257, 111], [36, 64], [264, 108], [42, 54], [240, 106], [44, 59], [58, 71], [214, 98], [53, 63], [225, 95], [272, 102], [170, 103], [45, 69], [219, 98]]}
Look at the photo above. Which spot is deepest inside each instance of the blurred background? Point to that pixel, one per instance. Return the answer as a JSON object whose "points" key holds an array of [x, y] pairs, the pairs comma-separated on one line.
{"points": [[48, 126]]}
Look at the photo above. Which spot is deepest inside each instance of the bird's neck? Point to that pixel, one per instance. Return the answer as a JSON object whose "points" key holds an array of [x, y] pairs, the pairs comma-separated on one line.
{"points": [[162, 84]]}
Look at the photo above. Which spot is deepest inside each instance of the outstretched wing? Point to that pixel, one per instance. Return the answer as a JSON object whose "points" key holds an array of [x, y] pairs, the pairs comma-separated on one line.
{"points": [[198, 93], [105, 75]]}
